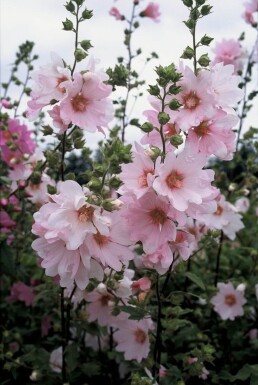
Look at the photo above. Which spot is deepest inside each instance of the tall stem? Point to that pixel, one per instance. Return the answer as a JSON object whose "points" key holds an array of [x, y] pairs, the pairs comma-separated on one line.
{"points": [[129, 67], [76, 37], [158, 341], [218, 258], [64, 374]]}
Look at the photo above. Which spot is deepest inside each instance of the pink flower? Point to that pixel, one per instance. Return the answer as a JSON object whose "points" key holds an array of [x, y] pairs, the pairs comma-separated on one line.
{"points": [[137, 176], [87, 104], [228, 302], [182, 180], [132, 339], [50, 81], [143, 284], [115, 12], [57, 121], [100, 307], [56, 360], [15, 142], [71, 265], [242, 205], [22, 292], [229, 52], [150, 220], [214, 136], [197, 102], [5, 103], [160, 260], [151, 11], [5, 221], [250, 8]]}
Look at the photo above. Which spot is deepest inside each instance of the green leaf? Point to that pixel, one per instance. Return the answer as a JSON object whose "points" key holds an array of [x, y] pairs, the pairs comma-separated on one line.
{"points": [[136, 313], [197, 280]]}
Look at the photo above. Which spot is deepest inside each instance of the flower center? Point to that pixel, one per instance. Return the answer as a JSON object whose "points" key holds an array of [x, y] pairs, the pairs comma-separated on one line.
{"points": [[219, 210], [158, 216], [104, 299], [191, 101], [202, 129], [100, 239], [230, 299], [140, 336], [59, 81], [169, 130], [142, 180], [85, 213], [174, 180], [79, 103]]}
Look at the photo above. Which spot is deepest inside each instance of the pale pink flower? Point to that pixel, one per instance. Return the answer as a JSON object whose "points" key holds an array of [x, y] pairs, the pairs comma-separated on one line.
{"points": [[5, 103], [22, 292], [56, 360], [38, 193], [87, 104], [183, 245], [100, 307], [253, 334], [6, 222], [197, 102], [160, 260], [214, 136], [250, 8], [150, 220], [72, 218], [182, 180], [242, 205], [115, 12], [111, 249], [143, 284], [229, 52], [223, 85], [15, 142], [139, 175], [152, 11], [49, 84], [228, 302], [224, 218], [71, 265], [132, 338], [205, 373], [57, 120]]}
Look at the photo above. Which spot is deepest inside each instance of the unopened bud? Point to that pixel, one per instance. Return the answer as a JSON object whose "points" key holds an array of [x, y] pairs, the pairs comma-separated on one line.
{"points": [[147, 127], [163, 118], [102, 288], [176, 140]]}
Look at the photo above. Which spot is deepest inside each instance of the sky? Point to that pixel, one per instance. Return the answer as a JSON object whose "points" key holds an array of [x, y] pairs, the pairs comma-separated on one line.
{"points": [[41, 21]]}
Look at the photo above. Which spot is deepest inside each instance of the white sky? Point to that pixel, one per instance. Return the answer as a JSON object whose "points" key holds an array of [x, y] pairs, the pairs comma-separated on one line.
{"points": [[40, 21]]}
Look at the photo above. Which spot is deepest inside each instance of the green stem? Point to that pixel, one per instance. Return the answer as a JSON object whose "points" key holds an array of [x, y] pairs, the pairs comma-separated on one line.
{"points": [[218, 258], [76, 37]]}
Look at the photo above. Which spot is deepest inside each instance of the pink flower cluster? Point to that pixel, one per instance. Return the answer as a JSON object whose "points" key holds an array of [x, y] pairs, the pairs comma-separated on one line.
{"points": [[151, 11], [229, 52], [81, 100], [251, 8], [15, 142], [77, 239]]}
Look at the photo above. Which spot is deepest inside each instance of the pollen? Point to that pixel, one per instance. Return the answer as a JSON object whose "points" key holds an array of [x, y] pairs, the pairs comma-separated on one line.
{"points": [[174, 180], [158, 216], [230, 299], [140, 336], [79, 103], [85, 213], [191, 101]]}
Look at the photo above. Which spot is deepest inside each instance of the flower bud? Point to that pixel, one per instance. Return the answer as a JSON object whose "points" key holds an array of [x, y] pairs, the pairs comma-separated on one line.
{"points": [[86, 14], [176, 140], [102, 288], [154, 90], [68, 25], [147, 127], [86, 44], [79, 54], [70, 7], [174, 104], [163, 118]]}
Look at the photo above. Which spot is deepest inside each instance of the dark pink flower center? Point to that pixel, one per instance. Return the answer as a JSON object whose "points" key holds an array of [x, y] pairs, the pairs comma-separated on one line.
{"points": [[104, 299], [174, 180], [169, 130], [59, 81], [140, 336], [202, 129], [79, 103], [230, 299], [100, 239], [219, 210], [142, 180], [85, 213], [158, 216], [191, 101]]}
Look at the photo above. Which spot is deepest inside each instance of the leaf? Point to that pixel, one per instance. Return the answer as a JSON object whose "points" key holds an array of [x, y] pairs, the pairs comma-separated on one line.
{"points": [[197, 280], [136, 313]]}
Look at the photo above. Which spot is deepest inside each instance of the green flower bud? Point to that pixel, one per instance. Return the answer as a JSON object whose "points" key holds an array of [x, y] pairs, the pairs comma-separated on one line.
{"points": [[35, 177], [86, 44], [79, 55], [68, 25], [176, 140], [70, 176], [154, 90], [204, 60], [79, 2], [206, 9], [188, 53], [51, 189], [95, 184], [200, 2], [206, 40], [70, 6], [174, 104], [47, 130], [114, 182], [163, 118], [188, 3], [147, 127], [87, 14]]}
